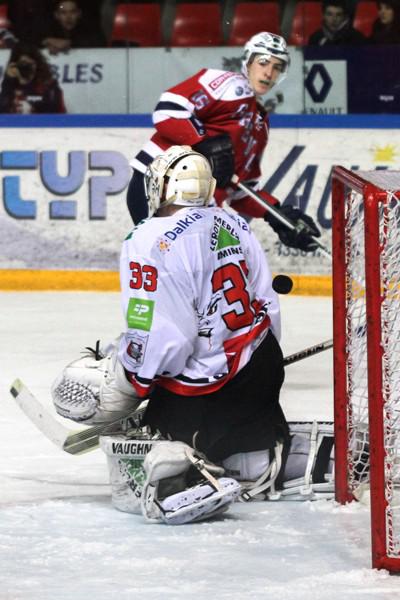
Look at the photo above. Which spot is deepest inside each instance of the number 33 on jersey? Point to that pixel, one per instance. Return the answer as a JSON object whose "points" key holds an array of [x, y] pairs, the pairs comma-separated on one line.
{"points": [[197, 300]]}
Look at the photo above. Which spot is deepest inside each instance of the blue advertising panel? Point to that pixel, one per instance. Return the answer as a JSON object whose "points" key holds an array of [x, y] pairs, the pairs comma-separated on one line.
{"points": [[367, 77]]}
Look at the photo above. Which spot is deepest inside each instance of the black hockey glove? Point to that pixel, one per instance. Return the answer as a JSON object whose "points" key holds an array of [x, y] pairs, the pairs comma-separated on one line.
{"points": [[219, 152], [299, 237]]}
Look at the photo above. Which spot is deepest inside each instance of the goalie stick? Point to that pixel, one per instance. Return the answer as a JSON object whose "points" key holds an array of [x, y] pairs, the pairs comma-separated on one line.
{"points": [[310, 351], [277, 213], [73, 442], [85, 440]]}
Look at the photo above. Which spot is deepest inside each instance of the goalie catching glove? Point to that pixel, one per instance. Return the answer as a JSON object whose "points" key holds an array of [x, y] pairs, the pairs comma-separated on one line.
{"points": [[300, 236], [94, 388]]}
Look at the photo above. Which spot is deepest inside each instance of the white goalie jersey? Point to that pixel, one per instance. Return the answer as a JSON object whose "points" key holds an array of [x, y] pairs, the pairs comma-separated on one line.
{"points": [[198, 300]]}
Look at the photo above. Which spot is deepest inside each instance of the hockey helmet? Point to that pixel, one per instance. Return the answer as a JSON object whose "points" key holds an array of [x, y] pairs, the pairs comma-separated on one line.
{"points": [[178, 176], [268, 44]]}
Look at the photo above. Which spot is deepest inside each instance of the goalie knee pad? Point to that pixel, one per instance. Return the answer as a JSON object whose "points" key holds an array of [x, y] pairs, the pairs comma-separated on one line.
{"points": [[247, 466], [125, 456], [257, 471], [181, 487]]}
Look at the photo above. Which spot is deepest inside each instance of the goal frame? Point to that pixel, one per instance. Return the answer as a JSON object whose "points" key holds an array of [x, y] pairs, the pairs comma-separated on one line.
{"points": [[343, 180]]}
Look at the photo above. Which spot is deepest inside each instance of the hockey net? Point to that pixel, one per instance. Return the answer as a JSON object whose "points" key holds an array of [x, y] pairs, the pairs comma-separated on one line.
{"points": [[366, 297]]}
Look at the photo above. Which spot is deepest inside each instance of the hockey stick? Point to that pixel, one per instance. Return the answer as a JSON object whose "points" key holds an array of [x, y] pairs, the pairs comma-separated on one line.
{"points": [[277, 214], [292, 358], [85, 440], [73, 442]]}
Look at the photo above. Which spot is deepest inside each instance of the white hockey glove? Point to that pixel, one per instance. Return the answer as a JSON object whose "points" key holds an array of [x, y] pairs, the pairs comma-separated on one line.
{"points": [[94, 389], [170, 496]]}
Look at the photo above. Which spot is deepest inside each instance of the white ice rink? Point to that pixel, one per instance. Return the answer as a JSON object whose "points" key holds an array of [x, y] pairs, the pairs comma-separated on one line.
{"points": [[60, 538]]}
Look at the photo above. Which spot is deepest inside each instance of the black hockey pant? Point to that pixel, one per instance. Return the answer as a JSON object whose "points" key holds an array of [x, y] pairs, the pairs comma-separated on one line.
{"points": [[243, 416]]}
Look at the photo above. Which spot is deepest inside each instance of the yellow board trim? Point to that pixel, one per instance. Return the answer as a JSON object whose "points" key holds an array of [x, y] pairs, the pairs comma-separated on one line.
{"points": [[311, 285], [27, 280]]}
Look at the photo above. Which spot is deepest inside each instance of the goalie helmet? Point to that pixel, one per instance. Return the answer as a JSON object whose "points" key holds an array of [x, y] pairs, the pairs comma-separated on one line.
{"points": [[268, 44], [179, 176]]}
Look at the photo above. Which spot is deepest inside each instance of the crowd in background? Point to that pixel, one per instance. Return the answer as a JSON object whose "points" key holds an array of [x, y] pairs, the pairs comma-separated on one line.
{"points": [[337, 26], [61, 25], [386, 28], [57, 25], [29, 86]]}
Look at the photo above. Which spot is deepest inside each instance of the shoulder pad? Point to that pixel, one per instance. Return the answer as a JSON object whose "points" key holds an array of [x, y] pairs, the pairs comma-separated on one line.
{"points": [[225, 85]]}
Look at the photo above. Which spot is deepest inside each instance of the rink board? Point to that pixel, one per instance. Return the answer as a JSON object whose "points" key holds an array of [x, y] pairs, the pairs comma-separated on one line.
{"points": [[64, 181], [108, 281]]}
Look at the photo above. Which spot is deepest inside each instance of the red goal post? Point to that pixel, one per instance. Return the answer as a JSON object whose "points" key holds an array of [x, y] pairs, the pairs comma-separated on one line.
{"points": [[366, 307]]}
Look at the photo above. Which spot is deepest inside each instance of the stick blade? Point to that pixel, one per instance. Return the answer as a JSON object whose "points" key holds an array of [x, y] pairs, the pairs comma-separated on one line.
{"points": [[73, 442], [86, 440], [37, 414], [81, 442]]}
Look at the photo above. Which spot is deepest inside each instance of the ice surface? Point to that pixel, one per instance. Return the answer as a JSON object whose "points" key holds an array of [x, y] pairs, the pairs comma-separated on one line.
{"points": [[61, 539]]}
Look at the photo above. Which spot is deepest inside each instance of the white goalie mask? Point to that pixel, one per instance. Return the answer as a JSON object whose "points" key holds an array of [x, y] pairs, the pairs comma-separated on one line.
{"points": [[179, 176], [266, 44]]}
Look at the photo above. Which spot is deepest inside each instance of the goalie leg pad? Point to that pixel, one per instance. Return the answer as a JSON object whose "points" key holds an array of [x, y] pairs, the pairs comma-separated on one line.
{"points": [[172, 463], [125, 457], [199, 503], [306, 474]]}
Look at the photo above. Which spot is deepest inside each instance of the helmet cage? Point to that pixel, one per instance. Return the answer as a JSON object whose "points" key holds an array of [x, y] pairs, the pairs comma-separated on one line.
{"points": [[180, 176]]}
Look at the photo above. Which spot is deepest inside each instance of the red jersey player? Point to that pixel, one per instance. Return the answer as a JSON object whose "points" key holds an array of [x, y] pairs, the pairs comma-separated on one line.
{"points": [[218, 114]]}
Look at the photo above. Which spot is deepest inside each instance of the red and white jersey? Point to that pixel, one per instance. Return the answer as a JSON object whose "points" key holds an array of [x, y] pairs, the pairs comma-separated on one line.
{"points": [[198, 300], [210, 103]]}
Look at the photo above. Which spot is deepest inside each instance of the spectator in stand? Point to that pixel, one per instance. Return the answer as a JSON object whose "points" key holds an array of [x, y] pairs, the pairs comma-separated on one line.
{"points": [[386, 29], [70, 29], [336, 26], [28, 19], [7, 39], [29, 86]]}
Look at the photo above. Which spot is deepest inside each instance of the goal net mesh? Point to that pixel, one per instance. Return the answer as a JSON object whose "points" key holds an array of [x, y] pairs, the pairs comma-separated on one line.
{"points": [[356, 256]]}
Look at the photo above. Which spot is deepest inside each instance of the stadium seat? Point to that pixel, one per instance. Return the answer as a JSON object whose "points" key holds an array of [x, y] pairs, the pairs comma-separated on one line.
{"points": [[365, 15], [197, 25], [307, 18], [4, 22], [137, 24], [250, 18]]}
